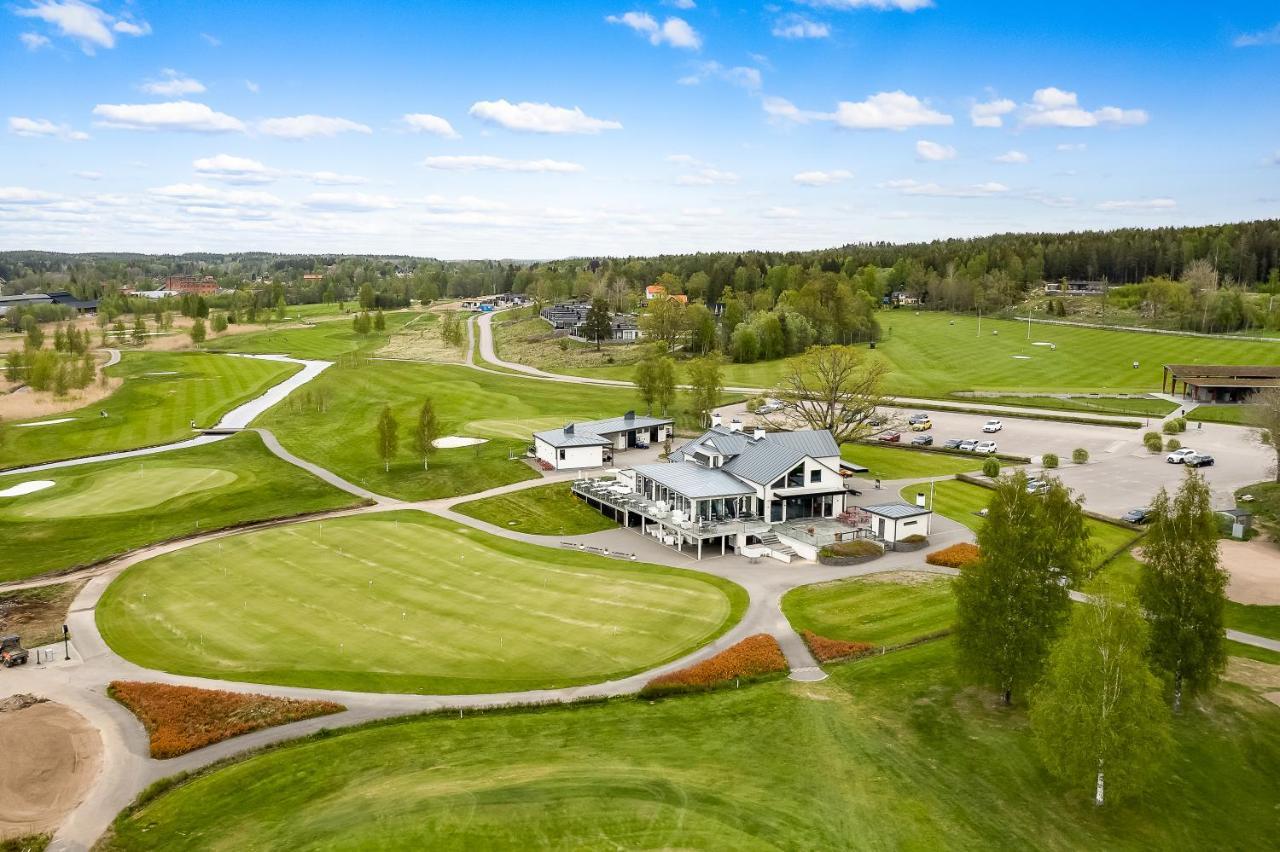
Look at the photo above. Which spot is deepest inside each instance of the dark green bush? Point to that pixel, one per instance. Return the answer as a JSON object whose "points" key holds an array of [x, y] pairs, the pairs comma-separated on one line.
{"points": [[1079, 455], [1049, 461], [991, 468]]}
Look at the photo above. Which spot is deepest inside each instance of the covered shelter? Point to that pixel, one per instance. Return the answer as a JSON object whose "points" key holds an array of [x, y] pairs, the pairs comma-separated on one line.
{"points": [[1218, 382]]}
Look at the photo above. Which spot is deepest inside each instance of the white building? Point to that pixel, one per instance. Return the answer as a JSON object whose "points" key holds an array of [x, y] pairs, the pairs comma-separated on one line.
{"points": [[591, 444]]}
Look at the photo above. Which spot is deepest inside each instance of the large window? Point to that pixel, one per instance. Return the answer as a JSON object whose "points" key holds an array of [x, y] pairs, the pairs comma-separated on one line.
{"points": [[795, 479]]}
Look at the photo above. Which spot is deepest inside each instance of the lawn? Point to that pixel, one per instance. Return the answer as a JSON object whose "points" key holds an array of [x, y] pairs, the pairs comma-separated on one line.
{"points": [[961, 501], [885, 462], [162, 393], [893, 752], [97, 511], [1232, 415], [1133, 406], [542, 510], [340, 433], [326, 340], [882, 609], [407, 602]]}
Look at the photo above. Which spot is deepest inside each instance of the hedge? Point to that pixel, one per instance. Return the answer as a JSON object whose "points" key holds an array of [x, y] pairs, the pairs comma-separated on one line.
{"points": [[827, 650]]}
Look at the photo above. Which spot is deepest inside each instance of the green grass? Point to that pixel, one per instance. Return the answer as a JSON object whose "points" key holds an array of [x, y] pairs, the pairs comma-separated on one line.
{"points": [[884, 462], [893, 752], [162, 393], [1249, 652], [407, 602], [1232, 415], [100, 510], [1133, 407], [542, 510], [506, 410], [325, 340], [885, 610], [961, 501]]}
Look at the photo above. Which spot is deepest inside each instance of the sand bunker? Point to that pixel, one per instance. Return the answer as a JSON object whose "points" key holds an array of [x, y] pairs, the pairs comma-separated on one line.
{"points": [[450, 441], [29, 487], [1023, 357], [51, 757], [1254, 567], [45, 422]]}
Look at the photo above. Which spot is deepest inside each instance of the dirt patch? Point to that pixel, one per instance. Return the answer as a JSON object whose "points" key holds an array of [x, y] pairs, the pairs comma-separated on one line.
{"points": [[1254, 567], [25, 403], [37, 615], [1252, 673], [51, 757], [421, 341]]}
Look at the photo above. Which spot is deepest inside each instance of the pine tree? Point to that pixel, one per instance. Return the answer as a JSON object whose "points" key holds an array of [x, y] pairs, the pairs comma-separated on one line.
{"points": [[219, 323], [1183, 589], [139, 331], [379, 321], [598, 325], [388, 437]]}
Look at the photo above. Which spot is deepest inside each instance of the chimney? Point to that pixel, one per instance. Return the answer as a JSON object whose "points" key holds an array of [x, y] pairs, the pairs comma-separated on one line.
{"points": [[759, 433], [568, 430], [630, 415], [735, 425], [920, 499], [715, 419]]}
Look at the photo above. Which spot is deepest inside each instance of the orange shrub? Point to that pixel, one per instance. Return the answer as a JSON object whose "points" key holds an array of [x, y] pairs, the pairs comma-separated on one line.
{"points": [[183, 718], [955, 556], [753, 658], [829, 650]]}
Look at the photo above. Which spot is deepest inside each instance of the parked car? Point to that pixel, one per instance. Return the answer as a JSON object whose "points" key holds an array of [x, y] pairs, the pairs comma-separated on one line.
{"points": [[916, 418], [1179, 456], [11, 651], [1037, 486], [890, 437], [992, 426], [985, 447], [1136, 516], [967, 446], [770, 407], [922, 441], [922, 426], [952, 444], [1198, 460]]}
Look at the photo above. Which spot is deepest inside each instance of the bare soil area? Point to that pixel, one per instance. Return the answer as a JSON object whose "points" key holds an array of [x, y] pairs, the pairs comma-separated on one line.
{"points": [[37, 615], [51, 757], [1254, 567]]}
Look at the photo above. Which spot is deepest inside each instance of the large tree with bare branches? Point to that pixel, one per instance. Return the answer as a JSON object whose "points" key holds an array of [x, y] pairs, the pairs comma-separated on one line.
{"points": [[837, 388], [1266, 412]]}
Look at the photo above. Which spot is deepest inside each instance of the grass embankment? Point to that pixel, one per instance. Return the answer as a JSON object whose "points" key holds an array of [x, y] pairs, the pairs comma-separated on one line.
{"points": [[885, 610], [893, 752], [163, 392], [323, 340], [885, 462], [97, 511], [339, 432], [407, 602], [1231, 415], [542, 510], [37, 615]]}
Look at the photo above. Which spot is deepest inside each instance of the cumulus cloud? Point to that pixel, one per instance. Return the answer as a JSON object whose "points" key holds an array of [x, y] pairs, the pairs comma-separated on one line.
{"points": [[33, 41], [1016, 157], [675, 32], [990, 113], [330, 178], [798, 26], [226, 167], [84, 23], [1148, 205], [43, 127], [480, 162], [199, 195], [173, 115], [24, 195], [878, 5], [934, 151], [1053, 107], [173, 83], [309, 126], [348, 202], [707, 176], [977, 190], [680, 4], [820, 178], [530, 117], [1260, 38], [739, 75], [888, 111], [424, 122]]}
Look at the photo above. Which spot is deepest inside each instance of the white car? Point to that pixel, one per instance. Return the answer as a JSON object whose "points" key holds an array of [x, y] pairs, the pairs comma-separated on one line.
{"points": [[967, 446], [992, 426], [987, 447], [1179, 456]]}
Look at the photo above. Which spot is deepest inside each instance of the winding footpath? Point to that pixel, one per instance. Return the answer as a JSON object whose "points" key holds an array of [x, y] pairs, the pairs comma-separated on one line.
{"points": [[127, 768]]}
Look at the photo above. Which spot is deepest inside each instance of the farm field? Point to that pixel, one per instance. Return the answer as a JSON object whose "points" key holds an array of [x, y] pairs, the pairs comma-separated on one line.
{"points": [[542, 510], [162, 393], [892, 752], [326, 340], [407, 602], [882, 609], [897, 463], [97, 511], [340, 435]]}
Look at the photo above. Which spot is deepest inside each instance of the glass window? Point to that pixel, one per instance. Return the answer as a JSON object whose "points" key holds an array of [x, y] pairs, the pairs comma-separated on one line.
{"points": [[815, 476]]}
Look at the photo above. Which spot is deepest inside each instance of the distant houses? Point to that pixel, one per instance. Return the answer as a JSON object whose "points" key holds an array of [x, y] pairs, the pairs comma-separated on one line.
{"points": [[571, 316], [62, 297]]}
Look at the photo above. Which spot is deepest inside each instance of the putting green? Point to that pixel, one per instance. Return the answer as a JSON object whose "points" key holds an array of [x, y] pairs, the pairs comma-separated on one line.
{"points": [[407, 602], [124, 490], [516, 427]]}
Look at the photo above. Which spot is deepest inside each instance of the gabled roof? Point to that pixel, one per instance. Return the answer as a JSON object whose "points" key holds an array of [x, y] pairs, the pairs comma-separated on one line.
{"points": [[896, 510], [694, 481], [570, 437], [762, 460], [630, 420]]}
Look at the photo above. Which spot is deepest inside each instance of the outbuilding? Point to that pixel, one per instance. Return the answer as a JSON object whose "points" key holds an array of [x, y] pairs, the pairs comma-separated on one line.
{"points": [[892, 522], [592, 443]]}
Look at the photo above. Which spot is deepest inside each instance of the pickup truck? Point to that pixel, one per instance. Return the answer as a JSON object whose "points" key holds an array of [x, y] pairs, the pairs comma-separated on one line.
{"points": [[11, 652]]}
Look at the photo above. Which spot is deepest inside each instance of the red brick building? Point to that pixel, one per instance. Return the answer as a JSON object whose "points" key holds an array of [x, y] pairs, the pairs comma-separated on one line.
{"points": [[194, 284]]}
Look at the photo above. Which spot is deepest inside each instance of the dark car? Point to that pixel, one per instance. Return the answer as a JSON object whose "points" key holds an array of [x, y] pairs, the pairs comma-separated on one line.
{"points": [[1199, 460], [922, 441], [1136, 516], [890, 437], [952, 444], [11, 651]]}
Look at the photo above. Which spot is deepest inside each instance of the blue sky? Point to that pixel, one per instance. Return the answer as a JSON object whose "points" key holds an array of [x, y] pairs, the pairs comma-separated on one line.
{"points": [[533, 130]]}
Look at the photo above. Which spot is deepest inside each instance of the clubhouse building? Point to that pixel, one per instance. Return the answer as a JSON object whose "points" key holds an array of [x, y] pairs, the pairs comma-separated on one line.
{"points": [[1215, 383], [579, 446]]}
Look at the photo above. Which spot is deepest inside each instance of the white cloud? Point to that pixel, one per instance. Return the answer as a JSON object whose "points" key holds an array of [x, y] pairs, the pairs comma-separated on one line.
{"points": [[675, 32], [88, 175], [680, 4], [231, 169], [978, 190], [468, 203], [878, 5], [82, 22], [199, 195], [530, 117], [1261, 38], [1016, 157], [1140, 206], [23, 195], [818, 178], [43, 127], [33, 41], [309, 126], [477, 162], [798, 27], [252, 86], [350, 202], [173, 83], [211, 40], [934, 151], [781, 213], [423, 122], [739, 75], [707, 177], [331, 178], [782, 110], [989, 114], [1053, 107], [1072, 146], [888, 111], [174, 115]]}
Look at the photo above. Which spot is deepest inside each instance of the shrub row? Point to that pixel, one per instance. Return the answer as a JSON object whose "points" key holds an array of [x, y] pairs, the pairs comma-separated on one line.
{"points": [[956, 556], [827, 650], [180, 719], [754, 658]]}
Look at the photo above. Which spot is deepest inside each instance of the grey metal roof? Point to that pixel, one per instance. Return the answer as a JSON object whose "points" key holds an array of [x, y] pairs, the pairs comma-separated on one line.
{"points": [[559, 438], [896, 510], [622, 424], [767, 458], [694, 481]]}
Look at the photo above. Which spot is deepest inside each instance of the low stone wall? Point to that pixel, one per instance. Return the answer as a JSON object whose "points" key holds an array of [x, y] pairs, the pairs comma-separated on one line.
{"points": [[909, 546], [844, 561]]}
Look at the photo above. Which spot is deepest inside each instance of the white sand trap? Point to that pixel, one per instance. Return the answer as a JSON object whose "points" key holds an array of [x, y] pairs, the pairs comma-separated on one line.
{"points": [[449, 442], [1023, 357], [162, 373], [29, 487], [46, 422], [1042, 343]]}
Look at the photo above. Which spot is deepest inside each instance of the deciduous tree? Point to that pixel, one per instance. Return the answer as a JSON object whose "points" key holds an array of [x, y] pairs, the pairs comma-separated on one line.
{"points": [[836, 388], [706, 384], [388, 437], [1266, 410], [427, 431], [197, 331]]}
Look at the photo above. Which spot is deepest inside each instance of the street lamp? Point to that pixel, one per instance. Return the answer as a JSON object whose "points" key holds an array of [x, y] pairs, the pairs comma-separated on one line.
{"points": [[66, 642]]}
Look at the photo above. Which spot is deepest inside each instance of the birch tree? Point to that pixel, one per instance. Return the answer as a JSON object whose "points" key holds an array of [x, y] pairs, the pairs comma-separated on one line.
{"points": [[427, 431], [388, 437]]}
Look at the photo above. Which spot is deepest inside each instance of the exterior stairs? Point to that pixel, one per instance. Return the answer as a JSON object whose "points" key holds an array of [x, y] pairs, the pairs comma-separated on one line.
{"points": [[777, 549]]}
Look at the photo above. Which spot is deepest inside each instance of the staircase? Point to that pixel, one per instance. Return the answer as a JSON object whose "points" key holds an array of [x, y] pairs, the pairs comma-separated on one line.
{"points": [[777, 549]]}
